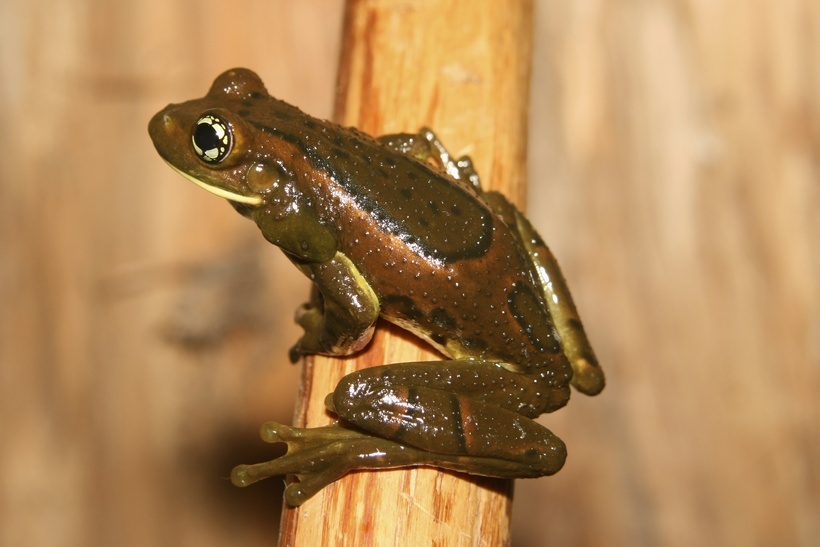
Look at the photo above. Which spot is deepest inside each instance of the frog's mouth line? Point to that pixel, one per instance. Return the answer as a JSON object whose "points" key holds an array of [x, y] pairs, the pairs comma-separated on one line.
{"points": [[221, 192]]}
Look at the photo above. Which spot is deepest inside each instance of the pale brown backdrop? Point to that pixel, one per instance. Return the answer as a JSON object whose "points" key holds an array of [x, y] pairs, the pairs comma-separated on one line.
{"points": [[674, 169]]}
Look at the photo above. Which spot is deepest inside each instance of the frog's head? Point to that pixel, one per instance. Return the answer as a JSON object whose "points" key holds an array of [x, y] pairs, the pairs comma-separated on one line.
{"points": [[207, 140], [218, 142]]}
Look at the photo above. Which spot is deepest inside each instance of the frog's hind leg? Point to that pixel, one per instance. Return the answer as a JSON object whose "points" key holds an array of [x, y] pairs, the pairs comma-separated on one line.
{"points": [[587, 377], [467, 415], [461, 415], [425, 145], [320, 456]]}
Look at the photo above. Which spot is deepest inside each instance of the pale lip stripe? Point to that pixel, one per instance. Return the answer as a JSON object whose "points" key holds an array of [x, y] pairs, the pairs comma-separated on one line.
{"points": [[221, 192]]}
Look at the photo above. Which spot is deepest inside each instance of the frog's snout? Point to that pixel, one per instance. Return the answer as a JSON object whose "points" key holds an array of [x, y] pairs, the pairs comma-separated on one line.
{"points": [[174, 146], [159, 128]]}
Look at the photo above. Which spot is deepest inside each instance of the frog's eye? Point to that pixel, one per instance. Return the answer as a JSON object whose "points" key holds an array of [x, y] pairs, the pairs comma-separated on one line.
{"points": [[212, 138]]}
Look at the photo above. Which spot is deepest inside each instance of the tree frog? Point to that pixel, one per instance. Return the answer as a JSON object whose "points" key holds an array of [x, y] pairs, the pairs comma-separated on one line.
{"points": [[394, 227]]}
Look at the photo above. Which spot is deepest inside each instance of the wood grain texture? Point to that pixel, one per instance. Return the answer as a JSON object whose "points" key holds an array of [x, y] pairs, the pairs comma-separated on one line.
{"points": [[461, 67], [673, 168]]}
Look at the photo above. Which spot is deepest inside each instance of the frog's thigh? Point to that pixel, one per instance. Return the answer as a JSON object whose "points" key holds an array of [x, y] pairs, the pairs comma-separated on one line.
{"points": [[431, 412], [587, 374], [345, 320]]}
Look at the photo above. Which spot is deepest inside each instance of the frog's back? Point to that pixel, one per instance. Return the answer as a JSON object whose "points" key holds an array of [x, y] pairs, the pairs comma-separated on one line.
{"points": [[437, 216], [443, 265]]}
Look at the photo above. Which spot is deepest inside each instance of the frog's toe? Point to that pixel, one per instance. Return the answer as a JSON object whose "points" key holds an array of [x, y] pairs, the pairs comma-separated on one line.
{"points": [[467, 172], [310, 483], [274, 432], [307, 315], [295, 354], [244, 475], [315, 466], [295, 494], [310, 342]]}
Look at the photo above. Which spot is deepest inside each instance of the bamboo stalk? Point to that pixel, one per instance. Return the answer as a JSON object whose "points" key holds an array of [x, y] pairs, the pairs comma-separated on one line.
{"points": [[460, 67]]}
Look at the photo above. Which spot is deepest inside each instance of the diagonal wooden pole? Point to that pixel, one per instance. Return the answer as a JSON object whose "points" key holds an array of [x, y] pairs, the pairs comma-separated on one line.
{"points": [[460, 67]]}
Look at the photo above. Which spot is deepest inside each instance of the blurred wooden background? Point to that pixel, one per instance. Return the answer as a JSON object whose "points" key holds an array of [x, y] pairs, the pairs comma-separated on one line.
{"points": [[674, 169]]}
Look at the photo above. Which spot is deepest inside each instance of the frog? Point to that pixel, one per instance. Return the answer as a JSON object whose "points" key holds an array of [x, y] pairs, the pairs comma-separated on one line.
{"points": [[393, 228]]}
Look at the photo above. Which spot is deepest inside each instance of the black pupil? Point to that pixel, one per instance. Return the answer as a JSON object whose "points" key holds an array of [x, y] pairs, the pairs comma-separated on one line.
{"points": [[205, 136]]}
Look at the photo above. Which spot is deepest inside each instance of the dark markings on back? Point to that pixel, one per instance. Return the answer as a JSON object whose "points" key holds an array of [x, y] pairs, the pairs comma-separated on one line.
{"points": [[456, 225]]}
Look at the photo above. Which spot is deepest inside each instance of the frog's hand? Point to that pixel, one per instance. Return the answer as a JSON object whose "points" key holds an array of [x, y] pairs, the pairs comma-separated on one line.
{"points": [[587, 377], [342, 321], [424, 146]]}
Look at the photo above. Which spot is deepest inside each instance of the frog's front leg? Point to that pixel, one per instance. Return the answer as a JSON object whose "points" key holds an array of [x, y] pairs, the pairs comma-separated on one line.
{"points": [[341, 322], [426, 145], [461, 415]]}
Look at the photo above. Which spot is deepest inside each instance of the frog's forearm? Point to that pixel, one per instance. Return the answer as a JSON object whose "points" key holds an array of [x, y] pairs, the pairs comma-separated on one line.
{"points": [[349, 309]]}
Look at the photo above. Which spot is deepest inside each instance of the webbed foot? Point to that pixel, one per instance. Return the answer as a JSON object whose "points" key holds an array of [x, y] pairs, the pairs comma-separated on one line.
{"points": [[319, 456]]}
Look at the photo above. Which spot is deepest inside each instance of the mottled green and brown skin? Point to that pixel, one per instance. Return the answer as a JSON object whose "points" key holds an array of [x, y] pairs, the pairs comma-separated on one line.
{"points": [[394, 227]]}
